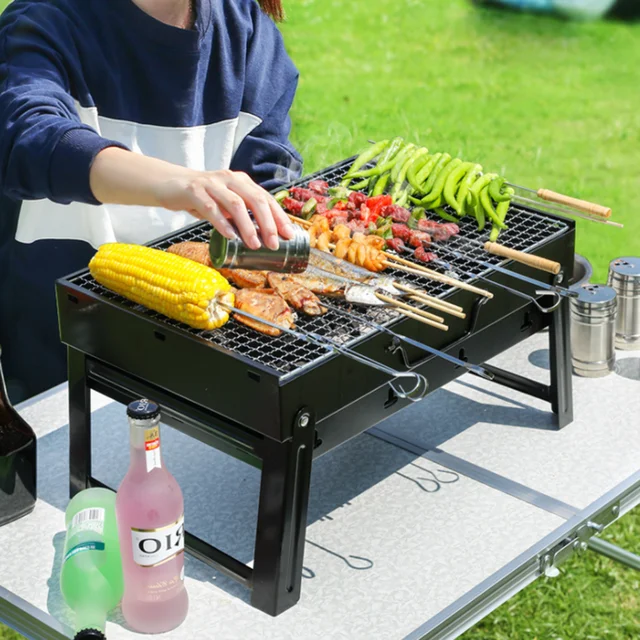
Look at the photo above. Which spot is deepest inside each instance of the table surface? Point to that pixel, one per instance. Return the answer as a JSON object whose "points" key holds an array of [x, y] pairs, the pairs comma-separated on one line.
{"points": [[385, 552]]}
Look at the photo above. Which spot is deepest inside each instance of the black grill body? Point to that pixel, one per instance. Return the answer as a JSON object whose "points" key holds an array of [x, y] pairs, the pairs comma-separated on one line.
{"points": [[279, 402]]}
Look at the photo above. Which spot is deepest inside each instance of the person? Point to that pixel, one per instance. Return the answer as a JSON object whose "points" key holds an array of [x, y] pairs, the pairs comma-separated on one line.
{"points": [[125, 120]]}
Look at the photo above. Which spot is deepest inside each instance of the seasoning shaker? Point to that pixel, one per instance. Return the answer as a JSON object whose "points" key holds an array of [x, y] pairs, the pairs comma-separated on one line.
{"points": [[624, 277], [292, 256], [593, 314]]}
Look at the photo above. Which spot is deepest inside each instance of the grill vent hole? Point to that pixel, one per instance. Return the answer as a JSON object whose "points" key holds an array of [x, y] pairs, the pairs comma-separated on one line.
{"points": [[159, 336], [73, 299], [254, 376], [526, 324]]}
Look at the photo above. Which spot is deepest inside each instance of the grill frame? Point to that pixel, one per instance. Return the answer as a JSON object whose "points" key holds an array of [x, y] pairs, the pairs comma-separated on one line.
{"points": [[126, 354]]}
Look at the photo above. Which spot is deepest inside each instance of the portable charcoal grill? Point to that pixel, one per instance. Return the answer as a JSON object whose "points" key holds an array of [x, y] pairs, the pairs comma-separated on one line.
{"points": [[278, 403]]}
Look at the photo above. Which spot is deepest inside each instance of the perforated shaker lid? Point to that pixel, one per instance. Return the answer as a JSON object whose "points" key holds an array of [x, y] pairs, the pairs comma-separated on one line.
{"points": [[594, 295], [626, 267]]}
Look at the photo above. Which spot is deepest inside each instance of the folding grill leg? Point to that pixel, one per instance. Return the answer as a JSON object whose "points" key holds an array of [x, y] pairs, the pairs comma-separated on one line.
{"points": [[79, 423], [560, 364], [282, 519]]}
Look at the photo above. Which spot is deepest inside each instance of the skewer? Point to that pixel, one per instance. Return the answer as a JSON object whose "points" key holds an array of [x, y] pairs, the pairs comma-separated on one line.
{"points": [[436, 303], [591, 208], [430, 319], [421, 385], [434, 275], [440, 354], [566, 212]]}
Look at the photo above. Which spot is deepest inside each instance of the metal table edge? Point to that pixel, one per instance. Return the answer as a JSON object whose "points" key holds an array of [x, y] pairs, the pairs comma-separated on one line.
{"points": [[28, 620], [484, 598]]}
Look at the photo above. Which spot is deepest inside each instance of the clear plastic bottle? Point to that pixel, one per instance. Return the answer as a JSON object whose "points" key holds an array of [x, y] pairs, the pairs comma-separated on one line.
{"points": [[91, 576], [150, 512]]}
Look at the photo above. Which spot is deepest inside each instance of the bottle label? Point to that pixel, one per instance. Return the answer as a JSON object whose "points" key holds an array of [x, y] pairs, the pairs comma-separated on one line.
{"points": [[88, 520], [152, 448], [152, 547], [92, 545]]}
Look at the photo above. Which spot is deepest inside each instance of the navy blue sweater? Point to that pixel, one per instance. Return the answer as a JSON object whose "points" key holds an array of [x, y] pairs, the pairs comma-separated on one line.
{"points": [[77, 76]]}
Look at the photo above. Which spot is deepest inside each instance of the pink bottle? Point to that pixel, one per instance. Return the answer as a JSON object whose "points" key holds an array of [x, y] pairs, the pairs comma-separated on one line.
{"points": [[150, 514]]}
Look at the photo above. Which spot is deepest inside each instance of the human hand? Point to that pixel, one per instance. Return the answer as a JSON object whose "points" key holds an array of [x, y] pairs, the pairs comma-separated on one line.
{"points": [[223, 196]]}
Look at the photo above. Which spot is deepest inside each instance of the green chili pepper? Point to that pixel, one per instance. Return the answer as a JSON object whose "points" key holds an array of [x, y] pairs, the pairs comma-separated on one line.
{"points": [[436, 204], [487, 205], [427, 171], [396, 148], [419, 213], [438, 187], [476, 188], [416, 201], [442, 164], [420, 161], [495, 190], [480, 216], [381, 184], [372, 185], [367, 156], [446, 216], [502, 210], [281, 195], [360, 185], [465, 187], [400, 159], [402, 174], [451, 185], [404, 196], [309, 208]]}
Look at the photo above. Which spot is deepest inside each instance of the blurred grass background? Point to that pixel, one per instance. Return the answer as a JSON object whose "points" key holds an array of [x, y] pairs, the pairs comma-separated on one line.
{"points": [[546, 102]]}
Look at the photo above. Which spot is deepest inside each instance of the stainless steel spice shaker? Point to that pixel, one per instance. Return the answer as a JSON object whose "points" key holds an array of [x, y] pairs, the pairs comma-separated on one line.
{"points": [[624, 277], [292, 256], [593, 315]]}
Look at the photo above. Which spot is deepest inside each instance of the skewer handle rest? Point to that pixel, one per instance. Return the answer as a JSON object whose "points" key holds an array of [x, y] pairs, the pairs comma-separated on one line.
{"points": [[581, 205], [523, 258]]}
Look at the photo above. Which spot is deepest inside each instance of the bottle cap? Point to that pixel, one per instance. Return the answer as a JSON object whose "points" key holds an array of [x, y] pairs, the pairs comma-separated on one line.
{"points": [[143, 410], [90, 634]]}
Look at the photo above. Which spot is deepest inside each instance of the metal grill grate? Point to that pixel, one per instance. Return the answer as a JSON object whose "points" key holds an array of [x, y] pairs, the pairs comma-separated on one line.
{"points": [[286, 354]]}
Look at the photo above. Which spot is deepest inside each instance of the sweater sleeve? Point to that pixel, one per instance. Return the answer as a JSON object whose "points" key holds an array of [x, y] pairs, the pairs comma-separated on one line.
{"points": [[45, 150], [271, 80]]}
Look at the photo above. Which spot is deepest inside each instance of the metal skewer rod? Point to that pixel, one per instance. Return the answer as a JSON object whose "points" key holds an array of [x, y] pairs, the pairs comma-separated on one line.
{"points": [[440, 354], [547, 195], [421, 385], [567, 212], [536, 283]]}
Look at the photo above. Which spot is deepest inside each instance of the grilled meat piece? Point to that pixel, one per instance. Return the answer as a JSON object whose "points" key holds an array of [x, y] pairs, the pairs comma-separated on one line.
{"points": [[419, 238], [316, 283], [397, 245], [244, 278], [299, 297], [293, 206], [423, 255], [269, 306], [396, 213], [302, 195], [401, 231], [439, 231], [319, 186], [196, 251], [357, 198]]}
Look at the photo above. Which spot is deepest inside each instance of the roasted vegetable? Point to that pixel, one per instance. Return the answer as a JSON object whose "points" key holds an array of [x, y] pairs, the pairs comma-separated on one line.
{"points": [[177, 287]]}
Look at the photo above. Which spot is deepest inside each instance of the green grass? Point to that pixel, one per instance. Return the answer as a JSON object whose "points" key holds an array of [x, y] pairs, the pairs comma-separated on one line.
{"points": [[546, 102]]}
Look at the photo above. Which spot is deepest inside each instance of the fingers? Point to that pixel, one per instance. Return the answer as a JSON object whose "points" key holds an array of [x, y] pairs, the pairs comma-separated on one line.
{"points": [[284, 225], [258, 200], [205, 208], [231, 203]]}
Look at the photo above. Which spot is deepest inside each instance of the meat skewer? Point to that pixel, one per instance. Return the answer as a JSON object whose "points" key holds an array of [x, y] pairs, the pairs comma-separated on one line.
{"points": [[268, 313], [414, 395]]}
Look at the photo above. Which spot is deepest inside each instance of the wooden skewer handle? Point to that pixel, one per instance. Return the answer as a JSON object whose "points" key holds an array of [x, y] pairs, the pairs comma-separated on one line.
{"points": [[581, 205], [524, 258]]}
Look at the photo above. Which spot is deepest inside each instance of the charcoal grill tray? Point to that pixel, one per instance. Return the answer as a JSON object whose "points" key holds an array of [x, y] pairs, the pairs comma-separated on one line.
{"points": [[287, 356]]}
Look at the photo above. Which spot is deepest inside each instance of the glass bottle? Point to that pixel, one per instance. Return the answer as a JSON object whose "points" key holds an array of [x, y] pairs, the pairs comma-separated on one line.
{"points": [[17, 461], [150, 513]]}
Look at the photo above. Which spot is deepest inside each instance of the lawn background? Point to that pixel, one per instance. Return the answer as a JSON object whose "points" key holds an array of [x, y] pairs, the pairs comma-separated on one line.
{"points": [[546, 102]]}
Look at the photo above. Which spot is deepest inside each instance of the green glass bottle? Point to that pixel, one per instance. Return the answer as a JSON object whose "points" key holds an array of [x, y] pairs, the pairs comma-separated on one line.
{"points": [[91, 578]]}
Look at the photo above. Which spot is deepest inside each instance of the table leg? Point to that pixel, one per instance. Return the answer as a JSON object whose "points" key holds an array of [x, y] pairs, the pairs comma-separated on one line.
{"points": [[79, 423]]}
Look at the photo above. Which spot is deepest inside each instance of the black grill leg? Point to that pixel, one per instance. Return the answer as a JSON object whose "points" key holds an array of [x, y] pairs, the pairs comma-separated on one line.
{"points": [[560, 363], [282, 519], [79, 423]]}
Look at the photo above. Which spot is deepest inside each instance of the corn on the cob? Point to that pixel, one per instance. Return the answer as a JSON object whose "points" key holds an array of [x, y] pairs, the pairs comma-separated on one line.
{"points": [[172, 285]]}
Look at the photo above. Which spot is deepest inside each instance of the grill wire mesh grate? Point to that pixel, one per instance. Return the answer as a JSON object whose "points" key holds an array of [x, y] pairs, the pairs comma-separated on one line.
{"points": [[287, 354]]}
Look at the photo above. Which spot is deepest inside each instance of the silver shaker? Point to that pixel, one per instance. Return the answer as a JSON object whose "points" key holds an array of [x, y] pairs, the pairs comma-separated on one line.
{"points": [[593, 317], [624, 277]]}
